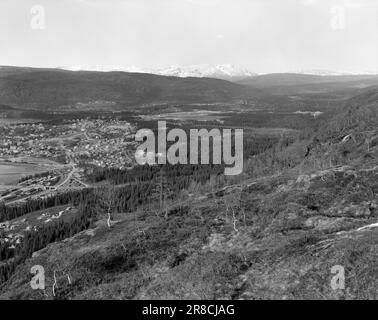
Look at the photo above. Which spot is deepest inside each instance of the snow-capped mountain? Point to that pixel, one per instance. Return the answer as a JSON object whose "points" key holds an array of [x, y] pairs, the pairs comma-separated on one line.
{"points": [[223, 71], [105, 69], [320, 72]]}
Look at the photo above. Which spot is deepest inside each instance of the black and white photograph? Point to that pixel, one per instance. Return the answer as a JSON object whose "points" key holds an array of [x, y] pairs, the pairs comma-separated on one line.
{"points": [[209, 151]]}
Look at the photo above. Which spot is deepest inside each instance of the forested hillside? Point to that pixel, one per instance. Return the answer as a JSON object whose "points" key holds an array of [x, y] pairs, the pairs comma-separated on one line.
{"points": [[43, 89]]}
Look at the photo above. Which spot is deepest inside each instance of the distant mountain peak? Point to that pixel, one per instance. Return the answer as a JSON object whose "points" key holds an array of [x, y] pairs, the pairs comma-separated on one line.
{"points": [[221, 71]]}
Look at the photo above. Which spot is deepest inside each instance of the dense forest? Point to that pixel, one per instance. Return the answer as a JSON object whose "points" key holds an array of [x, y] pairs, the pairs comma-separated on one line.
{"points": [[9, 212]]}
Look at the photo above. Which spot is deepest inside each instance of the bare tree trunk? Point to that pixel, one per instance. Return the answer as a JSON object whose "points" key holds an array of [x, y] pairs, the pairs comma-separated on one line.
{"points": [[235, 220], [109, 218], [161, 191], [55, 285]]}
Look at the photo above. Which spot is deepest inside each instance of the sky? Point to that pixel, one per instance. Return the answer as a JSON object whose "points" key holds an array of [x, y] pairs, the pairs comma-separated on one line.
{"points": [[261, 35]]}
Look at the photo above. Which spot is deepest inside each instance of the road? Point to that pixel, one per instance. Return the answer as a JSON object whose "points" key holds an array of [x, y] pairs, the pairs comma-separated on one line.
{"points": [[67, 179]]}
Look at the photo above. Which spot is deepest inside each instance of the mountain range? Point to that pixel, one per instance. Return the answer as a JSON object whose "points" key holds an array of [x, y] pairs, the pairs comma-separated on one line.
{"points": [[36, 88], [41, 88], [220, 71]]}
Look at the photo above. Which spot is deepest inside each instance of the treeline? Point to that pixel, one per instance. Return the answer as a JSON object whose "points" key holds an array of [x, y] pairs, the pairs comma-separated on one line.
{"points": [[135, 187], [9, 212], [177, 175], [116, 176], [258, 144]]}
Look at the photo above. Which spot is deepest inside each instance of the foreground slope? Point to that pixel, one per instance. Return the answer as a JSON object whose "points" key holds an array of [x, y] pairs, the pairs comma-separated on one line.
{"points": [[280, 240]]}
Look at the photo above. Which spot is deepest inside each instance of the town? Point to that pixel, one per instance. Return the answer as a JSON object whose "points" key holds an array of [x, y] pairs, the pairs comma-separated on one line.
{"points": [[41, 159]]}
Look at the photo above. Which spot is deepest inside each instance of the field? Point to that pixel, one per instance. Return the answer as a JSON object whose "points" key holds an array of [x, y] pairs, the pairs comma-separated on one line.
{"points": [[9, 121], [11, 172]]}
